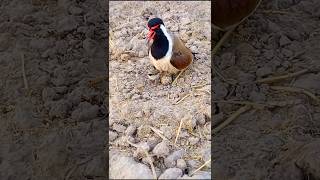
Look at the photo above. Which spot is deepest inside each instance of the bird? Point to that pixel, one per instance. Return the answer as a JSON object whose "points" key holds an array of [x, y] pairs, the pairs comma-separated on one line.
{"points": [[228, 14], [167, 52]]}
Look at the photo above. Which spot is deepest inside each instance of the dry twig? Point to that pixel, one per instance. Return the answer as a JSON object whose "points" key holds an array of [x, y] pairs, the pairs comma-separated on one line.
{"points": [[24, 73], [277, 78], [178, 131], [231, 118], [207, 162], [158, 132], [182, 99], [296, 90], [151, 164]]}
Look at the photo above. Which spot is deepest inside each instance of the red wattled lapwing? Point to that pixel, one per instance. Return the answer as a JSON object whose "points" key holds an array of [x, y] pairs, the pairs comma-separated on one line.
{"points": [[166, 51]]}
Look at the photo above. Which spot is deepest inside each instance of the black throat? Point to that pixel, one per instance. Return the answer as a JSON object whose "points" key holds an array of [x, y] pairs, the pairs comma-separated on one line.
{"points": [[160, 45]]}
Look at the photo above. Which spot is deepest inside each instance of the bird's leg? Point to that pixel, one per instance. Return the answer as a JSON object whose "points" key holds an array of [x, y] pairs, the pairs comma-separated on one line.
{"points": [[174, 81], [222, 40]]}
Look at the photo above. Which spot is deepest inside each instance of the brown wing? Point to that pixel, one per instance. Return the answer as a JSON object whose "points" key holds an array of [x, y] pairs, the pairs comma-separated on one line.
{"points": [[181, 55], [227, 13]]}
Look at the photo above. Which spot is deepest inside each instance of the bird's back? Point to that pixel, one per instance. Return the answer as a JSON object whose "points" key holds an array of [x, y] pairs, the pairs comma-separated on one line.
{"points": [[229, 13], [181, 55]]}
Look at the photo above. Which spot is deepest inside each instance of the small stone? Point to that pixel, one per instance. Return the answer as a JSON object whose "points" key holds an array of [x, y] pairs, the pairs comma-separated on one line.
{"points": [[171, 173], [118, 127], [170, 161], [89, 46], [193, 140], [193, 164], [143, 131], [131, 130], [263, 71], [167, 131], [122, 167], [287, 53], [165, 80], [85, 111], [75, 10], [67, 24], [142, 147], [161, 149], [124, 57], [112, 135], [284, 40], [269, 54], [181, 163], [141, 54], [136, 96], [257, 96], [227, 59], [200, 118], [185, 21]]}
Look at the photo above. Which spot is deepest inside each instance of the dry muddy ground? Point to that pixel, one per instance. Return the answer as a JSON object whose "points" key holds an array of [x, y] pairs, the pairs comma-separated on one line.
{"points": [[278, 137], [52, 120], [144, 114]]}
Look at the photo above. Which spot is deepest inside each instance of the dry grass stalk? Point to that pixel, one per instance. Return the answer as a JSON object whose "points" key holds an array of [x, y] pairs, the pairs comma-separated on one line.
{"points": [[277, 78], [158, 132], [231, 118], [24, 73], [178, 131], [151, 164], [296, 90], [207, 162], [182, 99]]}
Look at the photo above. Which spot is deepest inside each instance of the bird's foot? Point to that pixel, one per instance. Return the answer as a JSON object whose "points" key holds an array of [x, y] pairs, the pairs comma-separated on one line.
{"points": [[165, 78], [153, 74]]}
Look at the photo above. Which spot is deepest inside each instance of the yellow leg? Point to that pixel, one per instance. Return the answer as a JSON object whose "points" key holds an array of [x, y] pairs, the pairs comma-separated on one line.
{"points": [[222, 40], [174, 81]]}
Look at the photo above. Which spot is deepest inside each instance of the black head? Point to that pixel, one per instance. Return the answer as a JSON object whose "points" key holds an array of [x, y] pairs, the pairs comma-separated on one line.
{"points": [[154, 21]]}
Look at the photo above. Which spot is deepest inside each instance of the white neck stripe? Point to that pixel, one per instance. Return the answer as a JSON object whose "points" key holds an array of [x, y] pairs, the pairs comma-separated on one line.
{"points": [[169, 53]]}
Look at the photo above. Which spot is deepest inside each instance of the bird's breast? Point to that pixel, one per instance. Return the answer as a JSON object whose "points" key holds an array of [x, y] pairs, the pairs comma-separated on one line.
{"points": [[163, 64]]}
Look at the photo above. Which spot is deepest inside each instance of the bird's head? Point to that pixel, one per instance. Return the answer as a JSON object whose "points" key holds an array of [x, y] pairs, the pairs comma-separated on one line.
{"points": [[154, 26]]}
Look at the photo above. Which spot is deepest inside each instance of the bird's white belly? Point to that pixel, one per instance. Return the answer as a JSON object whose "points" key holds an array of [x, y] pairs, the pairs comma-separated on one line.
{"points": [[163, 65]]}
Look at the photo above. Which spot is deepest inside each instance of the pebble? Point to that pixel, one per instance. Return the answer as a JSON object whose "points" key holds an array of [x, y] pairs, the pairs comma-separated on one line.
{"points": [[119, 127], [123, 167], [161, 149], [193, 140], [170, 161], [167, 131], [131, 130], [152, 141], [143, 131], [89, 46], [75, 10], [67, 24], [181, 163], [124, 57], [227, 59], [264, 71], [166, 80], [112, 135], [287, 53], [85, 111], [171, 173], [284, 40], [200, 118]]}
